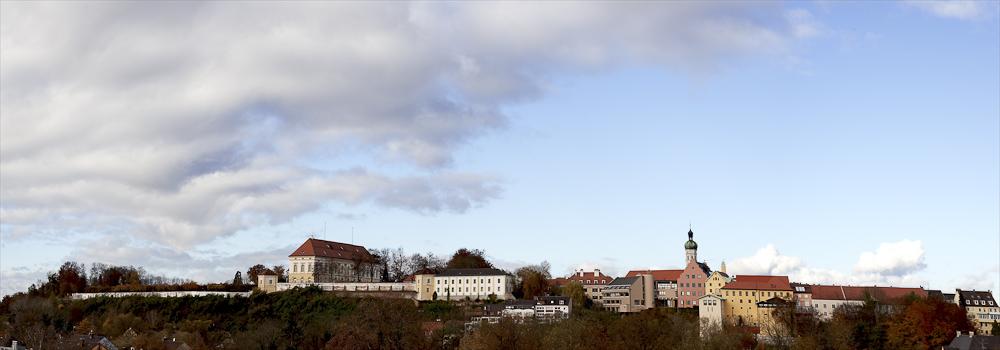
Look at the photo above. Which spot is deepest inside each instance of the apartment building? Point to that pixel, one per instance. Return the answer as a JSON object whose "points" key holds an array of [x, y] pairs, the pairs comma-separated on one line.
{"points": [[981, 308]]}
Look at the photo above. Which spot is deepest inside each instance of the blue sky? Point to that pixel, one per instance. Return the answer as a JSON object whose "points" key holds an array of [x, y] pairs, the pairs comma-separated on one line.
{"points": [[854, 143]]}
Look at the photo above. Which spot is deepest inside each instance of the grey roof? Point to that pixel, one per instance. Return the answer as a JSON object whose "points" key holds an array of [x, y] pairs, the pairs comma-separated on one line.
{"points": [[975, 342], [974, 295], [473, 272], [623, 281]]}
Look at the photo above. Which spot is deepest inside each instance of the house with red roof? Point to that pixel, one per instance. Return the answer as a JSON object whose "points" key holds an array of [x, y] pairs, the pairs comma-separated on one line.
{"points": [[744, 292], [827, 298], [320, 261]]}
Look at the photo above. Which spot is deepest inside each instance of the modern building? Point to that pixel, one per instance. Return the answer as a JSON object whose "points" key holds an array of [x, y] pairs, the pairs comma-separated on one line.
{"points": [[319, 261], [629, 294], [553, 307], [459, 284], [665, 285], [981, 308]]}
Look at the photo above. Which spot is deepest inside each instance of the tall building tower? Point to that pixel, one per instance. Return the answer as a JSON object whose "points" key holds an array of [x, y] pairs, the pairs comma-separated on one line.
{"points": [[690, 248]]}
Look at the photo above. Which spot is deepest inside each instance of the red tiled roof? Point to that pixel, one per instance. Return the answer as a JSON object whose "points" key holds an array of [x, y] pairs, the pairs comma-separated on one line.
{"points": [[318, 247], [857, 292], [658, 275], [594, 278], [755, 282], [559, 281]]}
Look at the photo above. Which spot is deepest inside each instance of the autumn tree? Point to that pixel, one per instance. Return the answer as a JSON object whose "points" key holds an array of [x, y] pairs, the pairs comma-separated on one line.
{"points": [[507, 334], [468, 259], [532, 280], [255, 271], [926, 323], [388, 324], [33, 320], [281, 272], [84, 327]]}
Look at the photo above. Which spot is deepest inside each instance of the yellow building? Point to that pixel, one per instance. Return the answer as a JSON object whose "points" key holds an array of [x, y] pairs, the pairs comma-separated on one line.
{"points": [[267, 281], [980, 307], [715, 281], [744, 292]]}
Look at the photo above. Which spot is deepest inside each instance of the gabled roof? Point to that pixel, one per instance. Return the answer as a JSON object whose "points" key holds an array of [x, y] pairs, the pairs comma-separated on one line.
{"points": [[595, 278], [658, 275], [974, 295], [336, 250], [558, 281], [755, 282], [473, 272]]}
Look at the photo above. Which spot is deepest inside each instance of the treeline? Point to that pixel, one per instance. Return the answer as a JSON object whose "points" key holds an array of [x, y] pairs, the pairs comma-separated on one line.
{"points": [[308, 318], [72, 277]]}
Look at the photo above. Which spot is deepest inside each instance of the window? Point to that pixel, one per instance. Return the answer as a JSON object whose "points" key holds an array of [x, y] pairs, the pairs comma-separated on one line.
{"points": [[295, 268]]}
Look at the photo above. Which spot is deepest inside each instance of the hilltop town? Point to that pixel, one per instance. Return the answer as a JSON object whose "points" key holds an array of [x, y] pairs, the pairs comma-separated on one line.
{"points": [[331, 295]]}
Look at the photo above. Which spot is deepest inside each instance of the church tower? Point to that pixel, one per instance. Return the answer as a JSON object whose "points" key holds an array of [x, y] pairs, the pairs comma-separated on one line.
{"points": [[690, 248]]}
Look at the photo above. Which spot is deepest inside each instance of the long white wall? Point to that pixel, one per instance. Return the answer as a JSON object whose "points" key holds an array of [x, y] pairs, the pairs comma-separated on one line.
{"points": [[84, 296]]}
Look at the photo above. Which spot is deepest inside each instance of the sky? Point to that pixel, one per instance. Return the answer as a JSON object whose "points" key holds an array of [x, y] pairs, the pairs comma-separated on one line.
{"points": [[832, 142]]}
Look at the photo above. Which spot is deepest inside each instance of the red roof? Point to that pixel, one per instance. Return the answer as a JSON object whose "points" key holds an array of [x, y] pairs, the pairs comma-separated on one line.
{"points": [[584, 277], [755, 282], [858, 292], [318, 247], [658, 275]]}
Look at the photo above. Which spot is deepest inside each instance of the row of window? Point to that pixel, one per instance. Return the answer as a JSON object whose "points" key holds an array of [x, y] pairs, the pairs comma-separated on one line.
{"points": [[976, 302], [488, 280], [753, 294], [452, 289]]}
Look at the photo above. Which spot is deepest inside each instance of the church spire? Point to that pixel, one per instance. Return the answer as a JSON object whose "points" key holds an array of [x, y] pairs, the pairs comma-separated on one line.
{"points": [[690, 247]]}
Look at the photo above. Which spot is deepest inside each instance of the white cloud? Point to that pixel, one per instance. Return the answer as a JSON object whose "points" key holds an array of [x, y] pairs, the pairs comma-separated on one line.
{"points": [[178, 123], [988, 279], [892, 264], [893, 259], [963, 10], [18, 279], [767, 261]]}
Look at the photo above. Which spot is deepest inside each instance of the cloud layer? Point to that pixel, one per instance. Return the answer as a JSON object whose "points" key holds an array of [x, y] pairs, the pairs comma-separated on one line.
{"points": [[892, 264], [178, 123], [173, 124]]}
